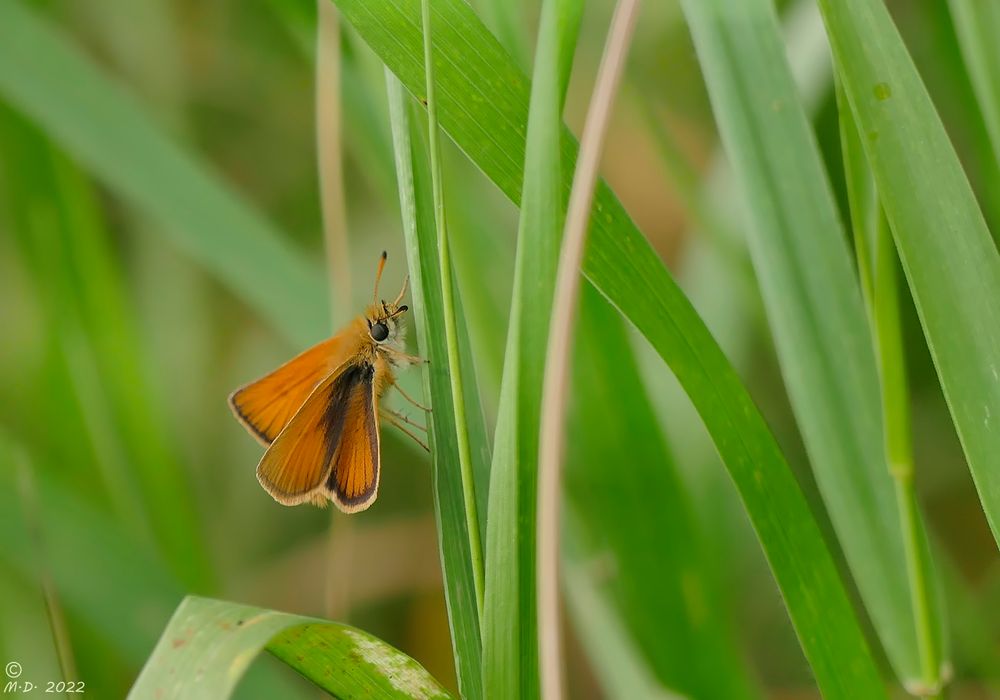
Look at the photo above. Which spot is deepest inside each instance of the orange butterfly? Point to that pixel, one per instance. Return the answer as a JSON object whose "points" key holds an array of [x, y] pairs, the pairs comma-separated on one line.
{"points": [[319, 412]]}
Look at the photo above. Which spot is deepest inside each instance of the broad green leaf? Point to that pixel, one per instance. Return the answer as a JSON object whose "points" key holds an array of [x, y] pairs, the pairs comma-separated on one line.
{"points": [[483, 107], [103, 128], [209, 644], [412, 174], [811, 295], [510, 629], [950, 260]]}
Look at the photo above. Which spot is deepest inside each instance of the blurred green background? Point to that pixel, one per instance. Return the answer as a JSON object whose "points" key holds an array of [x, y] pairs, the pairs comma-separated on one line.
{"points": [[126, 482]]}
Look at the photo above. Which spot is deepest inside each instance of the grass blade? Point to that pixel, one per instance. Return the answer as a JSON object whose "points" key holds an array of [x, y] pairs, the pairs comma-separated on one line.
{"points": [[632, 531], [951, 263], [413, 175], [102, 127], [555, 387], [616, 661], [483, 101], [977, 23], [811, 296], [511, 655], [877, 265], [446, 278], [209, 644], [506, 19]]}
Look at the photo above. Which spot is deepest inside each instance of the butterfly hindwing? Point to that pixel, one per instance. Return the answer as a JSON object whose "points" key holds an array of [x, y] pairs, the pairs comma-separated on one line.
{"points": [[352, 482], [330, 447]]}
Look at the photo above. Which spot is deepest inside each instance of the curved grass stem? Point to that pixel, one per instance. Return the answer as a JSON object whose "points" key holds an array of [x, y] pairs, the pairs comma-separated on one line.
{"points": [[552, 439]]}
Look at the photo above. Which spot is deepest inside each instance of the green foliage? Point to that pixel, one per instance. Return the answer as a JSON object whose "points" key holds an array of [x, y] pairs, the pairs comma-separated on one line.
{"points": [[139, 285], [813, 303], [102, 126], [511, 655], [412, 173], [621, 265], [977, 24], [210, 644], [606, 530], [948, 255]]}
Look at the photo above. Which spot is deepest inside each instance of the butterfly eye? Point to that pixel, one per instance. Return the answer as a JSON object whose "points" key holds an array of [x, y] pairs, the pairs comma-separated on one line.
{"points": [[379, 332]]}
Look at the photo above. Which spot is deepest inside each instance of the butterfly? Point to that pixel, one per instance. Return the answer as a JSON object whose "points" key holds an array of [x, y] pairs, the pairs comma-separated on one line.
{"points": [[319, 413]]}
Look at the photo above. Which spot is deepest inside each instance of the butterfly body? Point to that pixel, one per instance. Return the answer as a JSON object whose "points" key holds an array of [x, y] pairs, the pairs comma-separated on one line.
{"points": [[319, 413]]}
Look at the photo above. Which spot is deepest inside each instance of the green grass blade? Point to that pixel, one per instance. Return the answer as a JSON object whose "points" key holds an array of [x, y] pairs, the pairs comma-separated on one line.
{"points": [[413, 176], [864, 206], [977, 23], [950, 260], [209, 644], [510, 630], [811, 295], [618, 517], [446, 279], [483, 100], [101, 126], [616, 660], [558, 355], [877, 264], [506, 19]]}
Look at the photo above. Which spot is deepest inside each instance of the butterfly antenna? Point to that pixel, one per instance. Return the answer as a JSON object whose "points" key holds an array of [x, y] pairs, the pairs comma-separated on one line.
{"points": [[378, 274], [402, 291]]}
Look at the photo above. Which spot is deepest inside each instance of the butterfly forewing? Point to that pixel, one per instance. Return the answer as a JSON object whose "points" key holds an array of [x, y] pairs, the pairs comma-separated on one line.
{"points": [[267, 405]]}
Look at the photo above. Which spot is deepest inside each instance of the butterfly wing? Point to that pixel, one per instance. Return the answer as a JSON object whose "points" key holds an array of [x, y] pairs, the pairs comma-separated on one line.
{"points": [[265, 406], [352, 482], [334, 433]]}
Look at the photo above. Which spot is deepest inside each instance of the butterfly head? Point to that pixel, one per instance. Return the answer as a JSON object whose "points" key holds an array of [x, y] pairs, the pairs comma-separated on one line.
{"points": [[385, 323], [385, 326]]}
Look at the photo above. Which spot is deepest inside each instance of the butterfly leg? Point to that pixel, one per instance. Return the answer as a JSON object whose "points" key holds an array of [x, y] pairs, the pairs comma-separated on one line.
{"points": [[406, 359], [398, 358], [411, 399], [399, 421], [402, 417]]}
